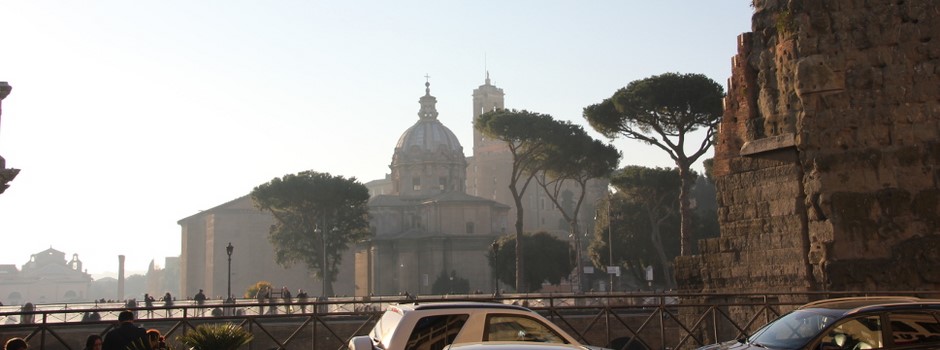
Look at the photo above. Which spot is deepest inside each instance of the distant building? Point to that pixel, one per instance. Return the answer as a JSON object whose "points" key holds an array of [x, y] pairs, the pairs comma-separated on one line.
{"points": [[427, 225], [161, 280], [46, 278], [203, 263], [438, 210]]}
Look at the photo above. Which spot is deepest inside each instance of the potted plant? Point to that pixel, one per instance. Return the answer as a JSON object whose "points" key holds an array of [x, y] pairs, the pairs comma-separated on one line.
{"points": [[216, 336]]}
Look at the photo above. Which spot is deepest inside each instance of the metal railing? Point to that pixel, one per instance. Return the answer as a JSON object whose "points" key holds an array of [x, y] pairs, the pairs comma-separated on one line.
{"points": [[625, 321]]}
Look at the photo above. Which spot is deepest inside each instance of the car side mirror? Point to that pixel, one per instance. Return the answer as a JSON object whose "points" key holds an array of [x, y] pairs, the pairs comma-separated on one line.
{"points": [[362, 342]]}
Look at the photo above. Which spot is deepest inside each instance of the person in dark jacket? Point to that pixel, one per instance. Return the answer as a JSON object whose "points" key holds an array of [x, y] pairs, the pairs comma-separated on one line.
{"points": [[93, 342], [125, 334], [200, 299]]}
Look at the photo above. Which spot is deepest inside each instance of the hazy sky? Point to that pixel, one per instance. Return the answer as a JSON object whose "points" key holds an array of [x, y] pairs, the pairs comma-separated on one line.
{"points": [[127, 116]]}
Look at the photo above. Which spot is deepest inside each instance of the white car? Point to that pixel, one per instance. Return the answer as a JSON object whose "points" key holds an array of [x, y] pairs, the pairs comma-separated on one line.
{"points": [[434, 326]]}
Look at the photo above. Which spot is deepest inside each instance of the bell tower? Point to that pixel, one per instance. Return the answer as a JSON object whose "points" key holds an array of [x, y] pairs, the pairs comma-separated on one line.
{"points": [[485, 98]]}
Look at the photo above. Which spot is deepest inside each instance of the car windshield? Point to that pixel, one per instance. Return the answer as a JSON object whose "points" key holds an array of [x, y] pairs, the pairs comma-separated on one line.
{"points": [[793, 330]]}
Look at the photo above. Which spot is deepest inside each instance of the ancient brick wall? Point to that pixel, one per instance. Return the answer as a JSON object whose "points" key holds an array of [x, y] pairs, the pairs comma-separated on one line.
{"points": [[828, 152]]}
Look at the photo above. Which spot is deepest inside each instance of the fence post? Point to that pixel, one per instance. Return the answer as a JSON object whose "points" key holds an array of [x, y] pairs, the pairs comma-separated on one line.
{"points": [[607, 321], [551, 307], [251, 329], [316, 317], [766, 311], [714, 323], [42, 336]]}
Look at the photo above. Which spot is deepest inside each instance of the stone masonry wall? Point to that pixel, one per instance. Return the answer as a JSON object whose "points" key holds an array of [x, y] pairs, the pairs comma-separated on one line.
{"points": [[828, 155]]}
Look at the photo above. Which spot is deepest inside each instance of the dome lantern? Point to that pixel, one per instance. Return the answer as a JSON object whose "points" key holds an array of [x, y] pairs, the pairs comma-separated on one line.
{"points": [[428, 109]]}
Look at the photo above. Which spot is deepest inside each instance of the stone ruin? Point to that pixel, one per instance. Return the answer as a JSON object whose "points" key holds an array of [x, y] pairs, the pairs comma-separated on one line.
{"points": [[828, 155]]}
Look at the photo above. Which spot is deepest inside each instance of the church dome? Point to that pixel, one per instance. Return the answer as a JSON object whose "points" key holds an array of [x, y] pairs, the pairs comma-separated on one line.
{"points": [[428, 134], [428, 159]]}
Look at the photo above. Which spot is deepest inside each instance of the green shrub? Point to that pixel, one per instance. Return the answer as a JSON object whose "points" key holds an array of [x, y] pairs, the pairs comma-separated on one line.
{"points": [[217, 336]]}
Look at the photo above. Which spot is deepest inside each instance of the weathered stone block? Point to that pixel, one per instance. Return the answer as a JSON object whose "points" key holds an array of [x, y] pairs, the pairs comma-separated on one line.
{"points": [[817, 74]]}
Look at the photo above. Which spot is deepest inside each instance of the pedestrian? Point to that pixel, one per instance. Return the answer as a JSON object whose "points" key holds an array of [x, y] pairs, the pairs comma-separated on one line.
{"points": [[285, 294], [125, 334], [261, 296], [200, 300], [167, 303], [302, 299], [93, 342], [272, 304], [131, 304], [148, 302], [27, 317], [16, 344], [157, 341]]}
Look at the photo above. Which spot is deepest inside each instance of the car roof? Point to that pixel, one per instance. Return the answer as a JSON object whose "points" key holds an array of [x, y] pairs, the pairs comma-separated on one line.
{"points": [[872, 303], [510, 345], [457, 305]]}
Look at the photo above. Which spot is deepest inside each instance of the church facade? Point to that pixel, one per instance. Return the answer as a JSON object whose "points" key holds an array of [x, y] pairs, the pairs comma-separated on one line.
{"points": [[428, 227], [46, 278], [435, 214]]}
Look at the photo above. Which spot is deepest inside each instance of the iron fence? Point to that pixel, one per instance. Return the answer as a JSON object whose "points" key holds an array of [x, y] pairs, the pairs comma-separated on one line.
{"points": [[624, 321]]}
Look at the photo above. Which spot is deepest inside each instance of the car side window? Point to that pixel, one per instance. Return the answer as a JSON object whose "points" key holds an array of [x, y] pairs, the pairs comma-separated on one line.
{"points": [[436, 332], [914, 329], [856, 334], [519, 328]]}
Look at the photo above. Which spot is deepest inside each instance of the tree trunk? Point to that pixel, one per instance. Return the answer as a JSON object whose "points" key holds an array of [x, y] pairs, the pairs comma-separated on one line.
{"points": [[658, 243], [577, 245], [685, 210], [520, 262], [329, 287]]}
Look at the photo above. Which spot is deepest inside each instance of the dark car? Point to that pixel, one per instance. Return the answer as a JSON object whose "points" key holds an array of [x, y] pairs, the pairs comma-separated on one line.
{"points": [[851, 324]]}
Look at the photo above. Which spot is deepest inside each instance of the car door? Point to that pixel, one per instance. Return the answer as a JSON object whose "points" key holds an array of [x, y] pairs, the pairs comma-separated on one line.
{"points": [[914, 330]]}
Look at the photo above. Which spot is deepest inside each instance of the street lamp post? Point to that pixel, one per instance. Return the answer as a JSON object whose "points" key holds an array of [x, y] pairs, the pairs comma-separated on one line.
{"points": [[610, 244], [322, 234], [323, 277], [495, 247], [228, 250]]}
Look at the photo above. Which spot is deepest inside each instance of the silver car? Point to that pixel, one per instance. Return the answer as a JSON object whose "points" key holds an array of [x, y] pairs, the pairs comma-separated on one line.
{"points": [[433, 326]]}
